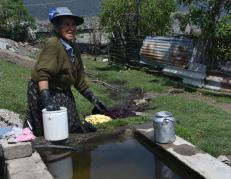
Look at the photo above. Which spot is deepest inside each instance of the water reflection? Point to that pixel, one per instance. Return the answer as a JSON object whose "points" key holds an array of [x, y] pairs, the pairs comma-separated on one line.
{"points": [[58, 162], [163, 172], [62, 168], [117, 159], [82, 164]]}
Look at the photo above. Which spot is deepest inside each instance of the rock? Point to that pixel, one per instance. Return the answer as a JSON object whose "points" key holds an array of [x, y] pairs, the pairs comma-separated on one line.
{"points": [[35, 49], [15, 151], [105, 60], [25, 44], [31, 34], [143, 101], [20, 53], [8, 46], [12, 49], [176, 91], [3, 45], [9, 118], [224, 159], [16, 45], [20, 43]]}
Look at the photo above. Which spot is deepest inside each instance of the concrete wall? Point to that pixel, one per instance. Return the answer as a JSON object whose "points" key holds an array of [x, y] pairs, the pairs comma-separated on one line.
{"points": [[18, 161]]}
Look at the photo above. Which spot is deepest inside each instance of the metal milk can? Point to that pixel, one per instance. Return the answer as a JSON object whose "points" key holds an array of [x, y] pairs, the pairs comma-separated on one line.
{"points": [[164, 127]]}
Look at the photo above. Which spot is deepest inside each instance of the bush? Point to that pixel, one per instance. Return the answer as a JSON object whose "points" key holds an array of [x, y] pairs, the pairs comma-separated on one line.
{"points": [[223, 36], [121, 16], [15, 20]]}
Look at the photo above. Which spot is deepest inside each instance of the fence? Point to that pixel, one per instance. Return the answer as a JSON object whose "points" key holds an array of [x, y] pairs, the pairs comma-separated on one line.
{"points": [[126, 51], [155, 52]]}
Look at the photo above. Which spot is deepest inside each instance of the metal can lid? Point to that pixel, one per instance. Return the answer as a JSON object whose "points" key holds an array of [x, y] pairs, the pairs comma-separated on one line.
{"points": [[163, 114]]}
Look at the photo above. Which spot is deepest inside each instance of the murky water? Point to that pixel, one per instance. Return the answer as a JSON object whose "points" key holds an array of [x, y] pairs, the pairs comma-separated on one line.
{"points": [[114, 159]]}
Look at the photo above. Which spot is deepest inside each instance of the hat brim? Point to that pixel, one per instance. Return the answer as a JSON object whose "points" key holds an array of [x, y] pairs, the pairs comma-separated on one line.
{"points": [[78, 20]]}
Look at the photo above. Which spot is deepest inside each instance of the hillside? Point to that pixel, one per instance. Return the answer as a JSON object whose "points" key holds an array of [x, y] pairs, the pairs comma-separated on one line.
{"points": [[39, 9]]}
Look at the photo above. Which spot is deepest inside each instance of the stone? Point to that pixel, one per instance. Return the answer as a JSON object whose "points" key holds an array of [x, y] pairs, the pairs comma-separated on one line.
{"points": [[8, 46], [224, 159], [3, 45], [10, 118], [20, 43], [27, 168], [16, 45], [12, 49], [16, 150], [105, 60], [143, 101], [176, 91]]}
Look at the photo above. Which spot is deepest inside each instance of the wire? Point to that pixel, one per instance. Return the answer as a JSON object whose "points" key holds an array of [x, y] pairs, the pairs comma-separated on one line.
{"points": [[40, 4]]}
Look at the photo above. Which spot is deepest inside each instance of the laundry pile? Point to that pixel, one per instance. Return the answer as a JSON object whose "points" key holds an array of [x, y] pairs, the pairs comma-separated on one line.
{"points": [[97, 119], [16, 134], [119, 113], [112, 113], [116, 112]]}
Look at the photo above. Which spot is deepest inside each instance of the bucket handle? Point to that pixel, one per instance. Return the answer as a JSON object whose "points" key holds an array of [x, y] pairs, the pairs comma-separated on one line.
{"points": [[166, 120]]}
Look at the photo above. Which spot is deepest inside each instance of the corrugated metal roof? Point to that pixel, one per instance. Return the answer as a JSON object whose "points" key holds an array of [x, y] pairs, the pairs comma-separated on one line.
{"points": [[171, 50]]}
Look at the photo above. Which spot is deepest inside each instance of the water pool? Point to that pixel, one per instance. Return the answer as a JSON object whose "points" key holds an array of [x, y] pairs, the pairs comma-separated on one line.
{"points": [[117, 158]]}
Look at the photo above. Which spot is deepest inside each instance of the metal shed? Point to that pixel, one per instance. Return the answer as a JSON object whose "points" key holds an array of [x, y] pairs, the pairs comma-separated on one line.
{"points": [[161, 51]]}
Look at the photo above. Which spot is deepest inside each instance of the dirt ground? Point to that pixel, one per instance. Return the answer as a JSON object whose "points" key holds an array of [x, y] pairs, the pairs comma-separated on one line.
{"points": [[17, 59], [138, 100]]}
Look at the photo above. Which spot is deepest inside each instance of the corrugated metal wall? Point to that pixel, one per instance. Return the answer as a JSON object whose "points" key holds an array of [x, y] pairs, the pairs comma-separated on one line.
{"points": [[166, 50]]}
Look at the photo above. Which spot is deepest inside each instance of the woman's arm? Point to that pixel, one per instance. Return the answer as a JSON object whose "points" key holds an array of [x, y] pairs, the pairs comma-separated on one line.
{"points": [[43, 85]]}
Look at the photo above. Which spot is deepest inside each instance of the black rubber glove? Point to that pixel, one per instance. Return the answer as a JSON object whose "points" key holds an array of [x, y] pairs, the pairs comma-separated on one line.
{"points": [[88, 127], [88, 94], [47, 102]]}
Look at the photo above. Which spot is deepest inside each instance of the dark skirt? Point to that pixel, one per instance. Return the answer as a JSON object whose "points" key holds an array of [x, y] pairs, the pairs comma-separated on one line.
{"points": [[61, 97]]}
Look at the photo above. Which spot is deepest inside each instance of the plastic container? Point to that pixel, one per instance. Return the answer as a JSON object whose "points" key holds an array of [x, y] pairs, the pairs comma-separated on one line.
{"points": [[55, 124]]}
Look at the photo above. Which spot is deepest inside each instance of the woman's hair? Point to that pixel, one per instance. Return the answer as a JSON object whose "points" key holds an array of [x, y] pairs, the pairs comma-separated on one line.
{"points": [[58, 22]]}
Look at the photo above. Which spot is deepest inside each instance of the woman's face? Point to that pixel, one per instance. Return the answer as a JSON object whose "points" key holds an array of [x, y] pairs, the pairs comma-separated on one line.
{"points": [[67, 29]]}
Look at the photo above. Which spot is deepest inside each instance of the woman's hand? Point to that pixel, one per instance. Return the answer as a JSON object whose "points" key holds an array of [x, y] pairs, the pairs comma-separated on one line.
{"points": [[47, 101], [99, 105]]}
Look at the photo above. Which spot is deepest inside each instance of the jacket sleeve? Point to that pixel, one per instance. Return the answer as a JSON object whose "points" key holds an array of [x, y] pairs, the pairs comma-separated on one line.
{"points": [[81, 83], [46, 66]]}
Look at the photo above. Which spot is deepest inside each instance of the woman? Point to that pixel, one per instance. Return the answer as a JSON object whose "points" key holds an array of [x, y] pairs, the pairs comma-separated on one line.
{"points": [[59, 66]]}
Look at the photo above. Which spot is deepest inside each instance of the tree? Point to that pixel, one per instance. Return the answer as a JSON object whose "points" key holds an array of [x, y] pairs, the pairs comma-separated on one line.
{"points": [[15, 20], [207, 15], [223, 38], [120, 16]]}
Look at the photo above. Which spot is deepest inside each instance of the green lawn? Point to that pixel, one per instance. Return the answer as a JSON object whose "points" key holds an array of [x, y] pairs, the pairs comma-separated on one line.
{"points": [[13, 84], [205, 126]]}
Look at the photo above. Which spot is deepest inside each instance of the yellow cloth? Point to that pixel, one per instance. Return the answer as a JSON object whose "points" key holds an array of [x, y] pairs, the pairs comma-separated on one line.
{"points": [[97, 118]]}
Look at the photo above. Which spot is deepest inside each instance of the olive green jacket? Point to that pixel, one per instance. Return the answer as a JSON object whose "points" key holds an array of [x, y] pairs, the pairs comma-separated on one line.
{"points": [[53, 65]]}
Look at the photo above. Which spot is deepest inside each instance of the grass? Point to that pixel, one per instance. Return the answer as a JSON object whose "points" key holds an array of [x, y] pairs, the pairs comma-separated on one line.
{"points": [[199, 123], [132, 78], [205, 126], [13, 84]]}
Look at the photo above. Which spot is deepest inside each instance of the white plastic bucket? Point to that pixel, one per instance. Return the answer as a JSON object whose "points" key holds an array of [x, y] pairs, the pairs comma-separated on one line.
{"points": [[55, 124]]}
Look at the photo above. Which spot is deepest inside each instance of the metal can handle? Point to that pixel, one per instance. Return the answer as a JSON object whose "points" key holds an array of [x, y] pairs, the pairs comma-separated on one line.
{"points": [[166, 120]]}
